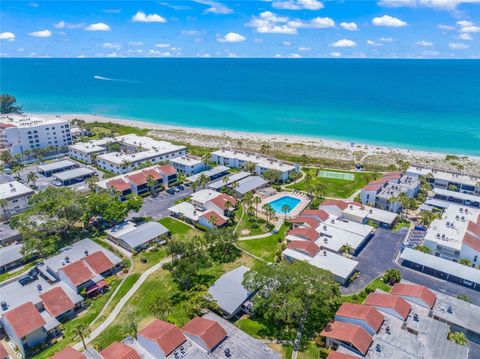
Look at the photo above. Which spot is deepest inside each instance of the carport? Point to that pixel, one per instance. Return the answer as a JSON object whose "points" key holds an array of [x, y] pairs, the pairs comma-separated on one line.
{"points": [[74, 176]]}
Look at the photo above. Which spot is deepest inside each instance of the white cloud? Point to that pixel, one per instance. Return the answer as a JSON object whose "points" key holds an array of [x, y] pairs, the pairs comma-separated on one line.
{"points": [[373, 43], [135, 43], [162, 45], [335, 54], [268, 22], [435, 4], [110, 45], [430, 53], [112, 11], [344, 43], [41, 33], [99, 26], [458, 46], [298, 5], [386, 39], [9, 36], [159, 53], [65, 25], [389, 21], [215, 7], [445, 27], [304, 48], [190, 32], [465, 36], [468, 26], [115, 54], [424, 43], [287, 43], [34, 5], [231, 37], [140, 16], [350, 26]]}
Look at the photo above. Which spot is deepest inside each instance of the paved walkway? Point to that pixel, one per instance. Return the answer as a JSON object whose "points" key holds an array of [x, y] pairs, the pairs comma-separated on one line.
{"points": [[116, 311]]}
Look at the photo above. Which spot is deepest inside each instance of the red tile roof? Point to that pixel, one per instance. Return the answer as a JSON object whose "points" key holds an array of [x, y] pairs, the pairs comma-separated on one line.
{"points": [[319, 213], [3, 352], [471, 241], [307, 233], [348, 333], [99, 262], [335, 202], [306, 247], [220, 221], [415, 290], [56, 301], [338, 355], [78, 272], [119, 184], [167, 170], [166, 335], [394, 302], [223, 198], [369, 315], [24, 319], [312, 222], [209, 331], [138, 178], [118, 350], [68, 353], [474, 228], [151, 172]]}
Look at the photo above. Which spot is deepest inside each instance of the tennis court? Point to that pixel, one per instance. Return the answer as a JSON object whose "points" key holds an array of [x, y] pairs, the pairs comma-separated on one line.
{"points": [[336, 175]]}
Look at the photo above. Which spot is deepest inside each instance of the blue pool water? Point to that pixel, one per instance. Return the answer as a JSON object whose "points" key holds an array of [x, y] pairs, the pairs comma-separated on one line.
{"points": [[285, 200]]}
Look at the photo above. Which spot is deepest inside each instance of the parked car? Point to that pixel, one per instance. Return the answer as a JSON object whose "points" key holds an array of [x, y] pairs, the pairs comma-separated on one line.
{"points": [[180, 187], [170, 191]]}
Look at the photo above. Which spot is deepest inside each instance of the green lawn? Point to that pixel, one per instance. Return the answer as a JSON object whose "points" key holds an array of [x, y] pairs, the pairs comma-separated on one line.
{"points": [[337, 187], [403, 223], [249, 224], [11, 274], [84, 319], [265, 248], [360, 297], [175, 226]]}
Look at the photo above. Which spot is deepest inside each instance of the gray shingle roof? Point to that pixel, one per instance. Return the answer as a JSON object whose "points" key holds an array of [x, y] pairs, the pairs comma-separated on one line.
{"points": [[10, 254], [249, 184], [144, 233]]}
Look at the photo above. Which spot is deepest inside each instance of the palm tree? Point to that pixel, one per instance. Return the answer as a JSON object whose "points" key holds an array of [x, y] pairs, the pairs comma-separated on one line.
{"points": [[32, 178], [194, 186], [404, 201], [320, 191], [125, 164], [206, 157], [264, 148], [212, 220], [203, 180], [151, 182], [249, 166], [225, 180], [256, 201], [3, 205], [228, 206], [285, 209], [81, 331], [92, 183], [269, 212], [305, 159], [248, 199], [346, 248], [8, 104]]}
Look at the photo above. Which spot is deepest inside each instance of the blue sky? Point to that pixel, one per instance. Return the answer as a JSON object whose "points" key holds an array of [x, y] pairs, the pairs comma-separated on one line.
{"points": [[268, 28]]}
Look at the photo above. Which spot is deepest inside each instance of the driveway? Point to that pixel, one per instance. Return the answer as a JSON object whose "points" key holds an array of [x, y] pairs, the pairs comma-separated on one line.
{"points": [[381, 253], [157, 207]]}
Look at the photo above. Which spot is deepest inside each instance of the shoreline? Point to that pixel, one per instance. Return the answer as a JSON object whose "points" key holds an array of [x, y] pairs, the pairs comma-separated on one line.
{"points": [[313, 146]]}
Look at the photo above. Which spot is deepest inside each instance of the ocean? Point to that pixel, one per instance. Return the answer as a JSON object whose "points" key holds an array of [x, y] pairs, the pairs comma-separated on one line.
{"points": [[431, 105]]}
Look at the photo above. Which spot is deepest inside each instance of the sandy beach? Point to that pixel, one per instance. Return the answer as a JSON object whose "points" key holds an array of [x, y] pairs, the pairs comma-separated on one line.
{"points": [[291, 144]]}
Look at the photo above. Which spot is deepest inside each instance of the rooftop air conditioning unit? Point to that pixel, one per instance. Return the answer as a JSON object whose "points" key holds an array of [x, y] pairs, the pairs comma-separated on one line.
{"points": [[325, 253], [67, 259], [85, 252]]}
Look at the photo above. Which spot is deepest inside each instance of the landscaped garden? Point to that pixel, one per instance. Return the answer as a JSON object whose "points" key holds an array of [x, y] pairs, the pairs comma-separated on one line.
{"points": [[265, 248], [333, 187], [248, 224]]}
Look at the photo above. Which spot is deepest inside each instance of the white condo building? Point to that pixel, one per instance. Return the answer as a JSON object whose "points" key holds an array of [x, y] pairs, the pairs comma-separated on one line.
{"points": [[238, 159], [16, 196], [135, 151], [21, 133], [456, 235]]}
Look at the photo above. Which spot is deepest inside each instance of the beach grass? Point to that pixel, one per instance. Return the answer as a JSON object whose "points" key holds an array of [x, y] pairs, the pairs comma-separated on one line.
{"points": [[337, 187]]}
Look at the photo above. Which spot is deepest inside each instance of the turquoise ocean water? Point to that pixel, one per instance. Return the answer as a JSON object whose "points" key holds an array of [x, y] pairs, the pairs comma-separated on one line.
{"points": [[431, 105]]}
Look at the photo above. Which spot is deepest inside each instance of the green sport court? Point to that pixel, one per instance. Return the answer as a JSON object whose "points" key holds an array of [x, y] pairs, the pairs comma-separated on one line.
{"points": [[336, 175]]}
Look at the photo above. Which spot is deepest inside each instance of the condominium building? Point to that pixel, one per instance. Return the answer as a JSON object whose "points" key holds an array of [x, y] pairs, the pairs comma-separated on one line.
{"points": [[15, 195], [21, 133], [456, 234], [135, 150], [188, 165], [239, 159]]}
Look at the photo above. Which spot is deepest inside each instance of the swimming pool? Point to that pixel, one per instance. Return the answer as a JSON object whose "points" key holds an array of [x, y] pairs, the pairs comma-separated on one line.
{"points": [[291, 202]]}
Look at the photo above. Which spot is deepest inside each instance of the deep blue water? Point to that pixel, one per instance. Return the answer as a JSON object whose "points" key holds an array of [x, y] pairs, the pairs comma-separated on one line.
{"points": [[419, 104]]}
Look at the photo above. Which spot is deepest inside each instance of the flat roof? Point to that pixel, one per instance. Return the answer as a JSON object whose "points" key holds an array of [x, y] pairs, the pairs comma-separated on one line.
{"points": [[72, 174], [443, 175], [137, 235], [232, 178], [76, 251], [459, 195], [14, 189], [10, 254], [209, 173], [204, 195], [228, 291], [187, 160], [260, 160], [249, 184], [373, 213], [340, 266], [444, 265], [56, 165], [187, 210]]}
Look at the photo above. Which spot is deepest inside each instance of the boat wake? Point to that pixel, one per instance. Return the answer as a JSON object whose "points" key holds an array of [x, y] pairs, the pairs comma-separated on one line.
{"points": [[96, 77]]}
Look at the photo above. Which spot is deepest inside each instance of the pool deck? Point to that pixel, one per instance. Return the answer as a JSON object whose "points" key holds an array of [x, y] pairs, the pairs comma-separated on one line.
{"points": [[304, 201]]}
